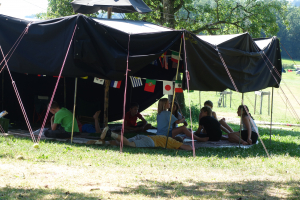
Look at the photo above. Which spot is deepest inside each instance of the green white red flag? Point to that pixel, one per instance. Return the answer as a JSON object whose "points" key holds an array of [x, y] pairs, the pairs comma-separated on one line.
{"points": [[178, 86]]}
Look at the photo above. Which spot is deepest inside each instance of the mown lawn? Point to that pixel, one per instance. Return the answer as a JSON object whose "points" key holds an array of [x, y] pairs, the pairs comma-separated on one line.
{"points": [[63, 171]]}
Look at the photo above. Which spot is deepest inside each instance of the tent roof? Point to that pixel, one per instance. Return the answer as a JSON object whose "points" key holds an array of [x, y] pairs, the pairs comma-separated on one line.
{"points": [[132, 27]]}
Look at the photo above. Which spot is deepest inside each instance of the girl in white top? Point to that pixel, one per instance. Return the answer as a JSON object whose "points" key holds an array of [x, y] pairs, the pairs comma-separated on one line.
{"points": [[249, 132]]}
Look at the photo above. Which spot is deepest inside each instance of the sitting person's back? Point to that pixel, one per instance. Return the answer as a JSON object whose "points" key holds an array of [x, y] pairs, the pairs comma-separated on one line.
{"points": [[210, 124], [61, 122]]}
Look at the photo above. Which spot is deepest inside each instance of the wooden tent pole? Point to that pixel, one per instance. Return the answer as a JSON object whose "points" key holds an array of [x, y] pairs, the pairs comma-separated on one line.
{"points": [[271, 115], [241, 120], [75, 95], [106, 101], [107, 84]]}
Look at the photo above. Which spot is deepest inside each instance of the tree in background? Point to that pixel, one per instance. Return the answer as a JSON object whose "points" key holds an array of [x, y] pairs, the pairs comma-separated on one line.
{"points": [[290, 35], [59, 8]]}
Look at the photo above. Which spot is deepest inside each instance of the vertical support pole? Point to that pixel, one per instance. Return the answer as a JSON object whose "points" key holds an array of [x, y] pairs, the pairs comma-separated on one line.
{"points": [[199, 100], [269, 103], [230, 98], [75, 95], [109, 11], [255, 103], [2, 100], [241, 120], [65, 93], [106, 101], [271, 115], [261, 101]]}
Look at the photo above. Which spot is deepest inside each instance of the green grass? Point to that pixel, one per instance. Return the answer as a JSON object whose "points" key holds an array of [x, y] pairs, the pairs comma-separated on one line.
{"points": [[63, 171], [289, 61]]}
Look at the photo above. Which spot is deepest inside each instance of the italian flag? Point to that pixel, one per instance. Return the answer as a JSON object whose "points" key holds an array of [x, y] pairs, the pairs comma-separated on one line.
{"points": [[150, 85], [175, 56], [178, 86]]}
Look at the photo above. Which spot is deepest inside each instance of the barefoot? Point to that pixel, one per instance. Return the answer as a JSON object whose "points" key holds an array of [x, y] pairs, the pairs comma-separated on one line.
{"points": [[103, 134], [244, 143], [96, 115]]}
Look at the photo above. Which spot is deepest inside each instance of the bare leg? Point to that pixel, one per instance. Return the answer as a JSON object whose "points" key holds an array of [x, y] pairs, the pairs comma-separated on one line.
{"points": [[184, 130], [148, 126], [234, 137], [226, 126], [186, 147], [97, 126], [118, 138]]}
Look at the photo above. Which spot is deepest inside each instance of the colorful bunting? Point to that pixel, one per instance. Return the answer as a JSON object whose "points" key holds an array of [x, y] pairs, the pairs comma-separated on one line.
{"points": [[150, 85], [136, 81], [175, 56], [98, 80], [178, 86], [168, 87], [115, 84]]}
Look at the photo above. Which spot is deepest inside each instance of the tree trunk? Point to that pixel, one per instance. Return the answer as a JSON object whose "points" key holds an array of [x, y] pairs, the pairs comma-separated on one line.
{"points": [[168, 8]]}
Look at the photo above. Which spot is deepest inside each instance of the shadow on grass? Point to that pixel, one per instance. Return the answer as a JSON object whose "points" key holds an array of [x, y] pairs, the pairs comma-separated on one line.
{"points": [[8, 193], [283, 142], [216, 190]]}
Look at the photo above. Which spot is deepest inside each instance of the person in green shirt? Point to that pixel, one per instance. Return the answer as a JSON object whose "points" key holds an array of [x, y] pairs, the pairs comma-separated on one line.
{"points": [[61, 122]]}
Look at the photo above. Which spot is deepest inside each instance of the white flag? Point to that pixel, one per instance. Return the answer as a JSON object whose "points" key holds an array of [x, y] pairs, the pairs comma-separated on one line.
{"points": [[99, 80], [168, 87], [136, 81]]}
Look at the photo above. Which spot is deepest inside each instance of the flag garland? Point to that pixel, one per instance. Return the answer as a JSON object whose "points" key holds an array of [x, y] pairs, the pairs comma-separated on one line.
{"points": [[168, 87], [99, 81], [136, 81], [175, 56], [150, 85], [178, 86], [115, 84]]}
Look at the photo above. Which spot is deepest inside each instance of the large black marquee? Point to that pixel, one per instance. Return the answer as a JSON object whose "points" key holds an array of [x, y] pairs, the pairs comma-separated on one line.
{"points": [[100, 49]]}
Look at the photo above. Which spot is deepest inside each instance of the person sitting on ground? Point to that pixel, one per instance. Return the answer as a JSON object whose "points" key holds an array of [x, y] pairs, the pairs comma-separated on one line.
{"points": [[224, 126], [131, 116], [141, 141], [163, 119], [211, 126], [61, 123], [249, 132], [178, 115], [93, 128]]}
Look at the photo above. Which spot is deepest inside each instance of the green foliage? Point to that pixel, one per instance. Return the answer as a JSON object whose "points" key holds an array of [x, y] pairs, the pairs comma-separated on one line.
{"points": [[220, 16], [289, 35], [59, 8]]}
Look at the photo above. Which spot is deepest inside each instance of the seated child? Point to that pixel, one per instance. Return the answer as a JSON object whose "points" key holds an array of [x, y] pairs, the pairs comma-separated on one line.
{"points": [[211, 125], [224, 126], [61, 123], [131, 118], [249, 132], [163, 122], [176, 113]]}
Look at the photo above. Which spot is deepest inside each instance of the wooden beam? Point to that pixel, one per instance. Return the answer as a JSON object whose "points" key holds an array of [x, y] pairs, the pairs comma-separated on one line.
{"points": [[106, 101]]}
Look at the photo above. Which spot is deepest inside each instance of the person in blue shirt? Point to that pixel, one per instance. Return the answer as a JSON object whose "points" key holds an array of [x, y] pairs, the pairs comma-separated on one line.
{"points": [[163, 119]]}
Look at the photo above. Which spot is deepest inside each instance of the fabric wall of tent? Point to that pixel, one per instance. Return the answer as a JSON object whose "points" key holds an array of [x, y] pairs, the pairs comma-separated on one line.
{"points": [[100, 48]]}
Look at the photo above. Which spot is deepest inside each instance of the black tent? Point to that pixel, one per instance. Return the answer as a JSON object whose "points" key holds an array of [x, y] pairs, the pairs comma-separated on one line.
{"points": [[99, 49]]}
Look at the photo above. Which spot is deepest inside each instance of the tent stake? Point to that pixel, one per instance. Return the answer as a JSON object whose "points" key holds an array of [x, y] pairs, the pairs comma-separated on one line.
{"points": [[271, 115], [75, 95], [241, 120]]}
